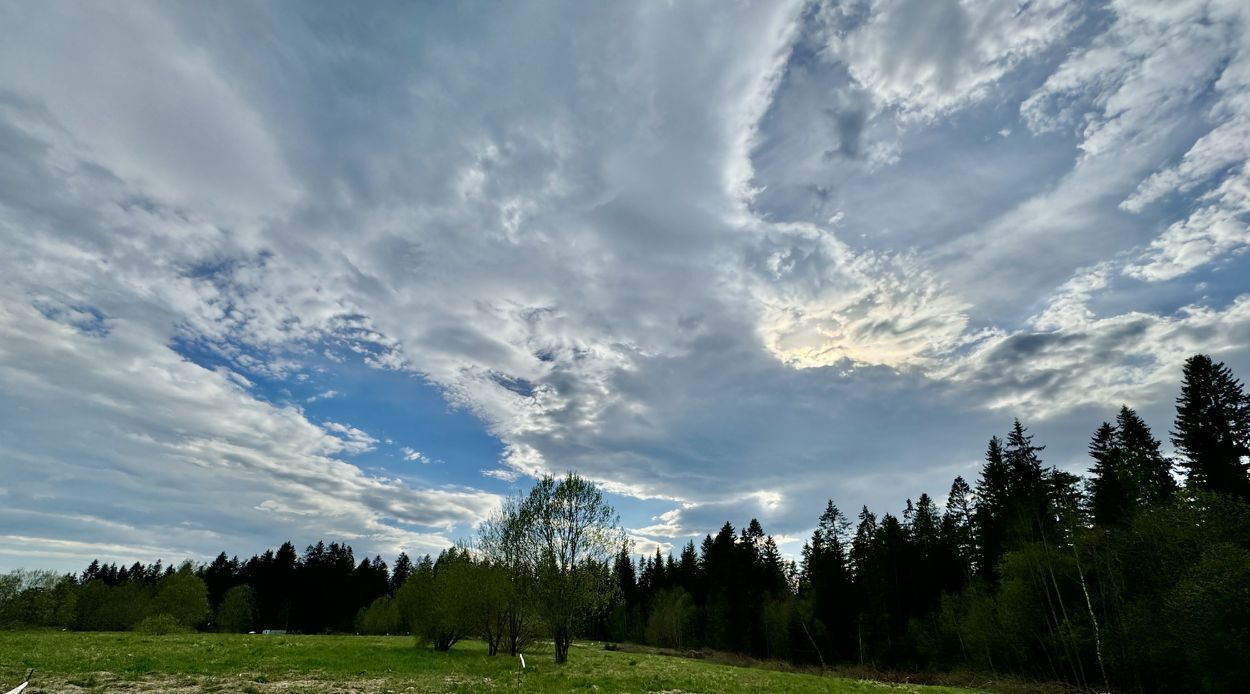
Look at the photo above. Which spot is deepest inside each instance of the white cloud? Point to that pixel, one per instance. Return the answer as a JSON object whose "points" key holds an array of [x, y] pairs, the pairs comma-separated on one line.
{"points": [[178, 129], [597, 250], [927, 57], [1139, 81], [192, 445], [822, 304], [412, 455], [352, 440], [1073, 358]]}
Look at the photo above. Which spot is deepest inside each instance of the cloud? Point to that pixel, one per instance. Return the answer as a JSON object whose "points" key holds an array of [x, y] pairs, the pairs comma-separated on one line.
{"points": [[1139, 81], [414, 456], [323, 395], [183, 133], [1072, 358], [822, 304], [927, 57], [188, 444], [353, 440], [728, 261]]}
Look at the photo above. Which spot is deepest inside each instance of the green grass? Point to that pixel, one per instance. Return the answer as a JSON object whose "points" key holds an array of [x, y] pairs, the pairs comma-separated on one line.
{"points": [[108, 662]]}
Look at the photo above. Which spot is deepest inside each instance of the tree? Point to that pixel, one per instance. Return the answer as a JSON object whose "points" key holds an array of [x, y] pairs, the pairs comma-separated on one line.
{"points": [[1026, 475], [993, 499], [571, 534], [403, 569], [1110, 498], [826, 581], [1212, 430], [381, 618], [626, 616], [183, 596], [957, 530], [219, 576], [503, 540], [670, 618], [442, 601], [1128, 471], [237, 609]]}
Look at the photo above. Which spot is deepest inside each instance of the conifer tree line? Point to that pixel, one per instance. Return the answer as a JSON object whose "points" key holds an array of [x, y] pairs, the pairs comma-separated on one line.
{"points": [[1135, 577]]}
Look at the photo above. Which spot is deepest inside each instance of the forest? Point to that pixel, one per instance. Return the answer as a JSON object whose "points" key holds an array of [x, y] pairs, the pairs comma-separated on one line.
{"points": [[1133, 577]]}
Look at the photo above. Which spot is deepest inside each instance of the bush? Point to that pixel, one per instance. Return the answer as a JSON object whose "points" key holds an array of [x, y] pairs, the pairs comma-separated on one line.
{"points": [[183, 596], [670, 618], [236, 610], [382, 617], [160, 624]]}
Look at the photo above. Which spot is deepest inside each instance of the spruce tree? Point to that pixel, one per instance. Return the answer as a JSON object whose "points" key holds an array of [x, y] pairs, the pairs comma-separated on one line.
{"points": [[1149, 470], [1109, 495], [1023, 464], [1212, 430], [403, 569], [1128, 472], [957, 520], [827, 580], [993, 498]]}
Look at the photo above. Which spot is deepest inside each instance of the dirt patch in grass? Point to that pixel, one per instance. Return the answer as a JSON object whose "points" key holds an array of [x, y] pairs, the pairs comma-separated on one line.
{"points": [[99, 682]]}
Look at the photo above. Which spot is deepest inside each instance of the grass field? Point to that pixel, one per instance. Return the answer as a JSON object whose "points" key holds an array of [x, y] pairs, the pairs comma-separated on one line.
{"points": [[128, 662]]}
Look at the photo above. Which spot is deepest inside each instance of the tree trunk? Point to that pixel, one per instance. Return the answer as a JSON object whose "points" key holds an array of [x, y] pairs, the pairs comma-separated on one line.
{"points": [[813, 642], [514, 634], [561, 638]]}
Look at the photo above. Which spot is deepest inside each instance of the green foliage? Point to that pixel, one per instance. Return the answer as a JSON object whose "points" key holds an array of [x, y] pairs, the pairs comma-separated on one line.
{"points": [[158, 624], [183, 596], [1209, 610], [511, 617], [570, 535], [671, 618], [441, 601], [102, 607], [37, 599], [381, 618], [237, 610]]}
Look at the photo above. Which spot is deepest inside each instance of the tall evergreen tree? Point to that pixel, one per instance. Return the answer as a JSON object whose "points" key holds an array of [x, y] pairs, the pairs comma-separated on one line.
{"points": [[1149, 470], [1023, 463], [401, 572], [957, 521], [993, 497], [1128, 471], [826, 581], [1109, 494], [1212, 430]]}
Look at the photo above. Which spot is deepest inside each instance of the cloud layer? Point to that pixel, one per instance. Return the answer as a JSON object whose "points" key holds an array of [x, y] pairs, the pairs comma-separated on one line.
{"points": [[728, 261]]}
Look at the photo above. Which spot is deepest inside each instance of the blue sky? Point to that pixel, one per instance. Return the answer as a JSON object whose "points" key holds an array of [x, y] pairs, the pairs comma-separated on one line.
{"points": [[296, 270]]}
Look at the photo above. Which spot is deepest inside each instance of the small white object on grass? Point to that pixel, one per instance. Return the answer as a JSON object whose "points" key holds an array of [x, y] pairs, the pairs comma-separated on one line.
{"points": [[522, 657], [25, 683]]}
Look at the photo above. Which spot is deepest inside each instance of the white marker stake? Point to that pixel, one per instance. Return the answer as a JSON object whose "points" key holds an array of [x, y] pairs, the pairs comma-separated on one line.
{"points": [[19, 688], [522, 657]]}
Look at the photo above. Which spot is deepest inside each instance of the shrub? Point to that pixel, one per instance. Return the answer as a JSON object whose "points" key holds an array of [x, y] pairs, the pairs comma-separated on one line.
{"points": [[160, 624]]}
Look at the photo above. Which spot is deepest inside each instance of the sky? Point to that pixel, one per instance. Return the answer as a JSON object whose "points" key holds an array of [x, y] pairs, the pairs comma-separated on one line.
{"points": [[293, 270]]}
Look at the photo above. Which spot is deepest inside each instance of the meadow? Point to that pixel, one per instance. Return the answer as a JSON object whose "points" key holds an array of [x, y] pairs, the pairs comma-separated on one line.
{"points": [[201, 662]]}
